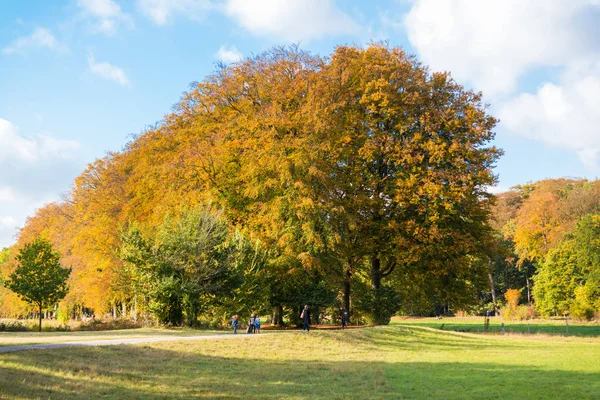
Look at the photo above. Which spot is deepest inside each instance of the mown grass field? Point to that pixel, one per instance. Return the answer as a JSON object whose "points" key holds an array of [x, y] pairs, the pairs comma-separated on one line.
{"points": [[536, 326], [395, 362], [24, 338]]}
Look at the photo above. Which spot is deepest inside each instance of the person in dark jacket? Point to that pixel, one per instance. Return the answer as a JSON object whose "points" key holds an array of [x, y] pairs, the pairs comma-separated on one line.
{"points": [[305, 316], [251, 325]]}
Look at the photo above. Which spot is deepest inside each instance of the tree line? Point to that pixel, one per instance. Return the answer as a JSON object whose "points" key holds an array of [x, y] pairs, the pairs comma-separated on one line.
{"points": [[547, 243], [357, 180]]}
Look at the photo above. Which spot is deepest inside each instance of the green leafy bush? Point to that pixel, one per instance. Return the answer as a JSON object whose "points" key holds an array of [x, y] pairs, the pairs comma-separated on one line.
{"points": [[379, 305], [62, 315], [583, 305]]}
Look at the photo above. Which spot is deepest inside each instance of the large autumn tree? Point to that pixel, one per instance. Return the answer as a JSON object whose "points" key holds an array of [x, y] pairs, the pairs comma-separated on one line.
{"points": [[404, 161], [365, 158]]}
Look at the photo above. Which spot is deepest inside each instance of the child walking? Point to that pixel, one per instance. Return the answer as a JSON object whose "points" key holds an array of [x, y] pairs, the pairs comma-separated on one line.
{"points": [[235, 323], [257, 324]]}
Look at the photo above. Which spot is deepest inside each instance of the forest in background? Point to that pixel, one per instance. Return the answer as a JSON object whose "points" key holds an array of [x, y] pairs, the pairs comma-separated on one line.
{"points": [[355, 181]]}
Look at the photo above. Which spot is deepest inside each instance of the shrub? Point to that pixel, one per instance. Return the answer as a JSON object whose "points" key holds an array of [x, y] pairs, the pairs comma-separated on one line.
{"points": [[100, 325], [56, 328], [520, 313], [512, 297], [583, 305], [525, 312], [62, 315], [379, 305], [581, 311], [13, 326]]}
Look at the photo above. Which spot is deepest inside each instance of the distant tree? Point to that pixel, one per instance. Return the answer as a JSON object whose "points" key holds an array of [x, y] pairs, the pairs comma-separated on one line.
{"points": [[512, 297], [39, 279], [569, 277]]}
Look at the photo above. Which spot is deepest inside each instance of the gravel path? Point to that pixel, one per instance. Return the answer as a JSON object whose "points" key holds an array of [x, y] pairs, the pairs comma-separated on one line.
{"points": [[114, 342]]}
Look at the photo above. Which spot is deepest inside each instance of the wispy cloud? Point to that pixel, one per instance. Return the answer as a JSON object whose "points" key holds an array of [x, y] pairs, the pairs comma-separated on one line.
{"points": [[39, 38], [19, 149], [105, 16], [229, 54], [7, 194], [35, 169], [108, 71], [161, 11], [291, 20]]}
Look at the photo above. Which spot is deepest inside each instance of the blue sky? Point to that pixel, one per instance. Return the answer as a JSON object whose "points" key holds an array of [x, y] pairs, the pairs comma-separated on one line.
{"points": [[78, 77]]}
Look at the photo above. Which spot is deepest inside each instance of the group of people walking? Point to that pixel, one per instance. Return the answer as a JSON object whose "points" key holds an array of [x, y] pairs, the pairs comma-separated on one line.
{"points": [[253, 324]]}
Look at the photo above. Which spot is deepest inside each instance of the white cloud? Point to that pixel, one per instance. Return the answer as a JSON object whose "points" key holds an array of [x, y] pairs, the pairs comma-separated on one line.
{"points": [[39, 38], [108, 71], [105, 15], [565, 114], [493, 43], [291, 20], [22, 149], [229, 54], [33, 171], [497, 189], [7, 195], [7, 222], [8, 229], [161, 11]]}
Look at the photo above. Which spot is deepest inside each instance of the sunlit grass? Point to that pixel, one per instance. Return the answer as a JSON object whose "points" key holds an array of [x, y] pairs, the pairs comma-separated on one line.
{"points": [[374, 363], [535, 326], [22, 338]]}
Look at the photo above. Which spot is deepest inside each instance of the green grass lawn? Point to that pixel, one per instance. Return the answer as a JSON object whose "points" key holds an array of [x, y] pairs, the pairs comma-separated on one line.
{"points": [[476, 324], [395, 362]]}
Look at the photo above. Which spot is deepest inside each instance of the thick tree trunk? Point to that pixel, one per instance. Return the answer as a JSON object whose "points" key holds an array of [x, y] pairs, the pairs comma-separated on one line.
{"points": [[346, 290], [134, 309], [347, 295], [375, 272], [277, 315], [493, 289], [40, 326], [315, 312]]}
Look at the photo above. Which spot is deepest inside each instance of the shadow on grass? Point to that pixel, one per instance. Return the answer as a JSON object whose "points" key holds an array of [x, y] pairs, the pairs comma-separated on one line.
{"points": [[153, 373], [416, 338]]}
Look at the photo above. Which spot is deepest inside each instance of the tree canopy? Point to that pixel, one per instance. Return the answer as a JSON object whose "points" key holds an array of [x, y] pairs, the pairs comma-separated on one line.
{"points": [[362, 172], [39, 278]]}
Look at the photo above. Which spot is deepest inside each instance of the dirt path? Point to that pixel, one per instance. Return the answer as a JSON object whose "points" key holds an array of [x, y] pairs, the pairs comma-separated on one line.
{"points": [[115, 342]]}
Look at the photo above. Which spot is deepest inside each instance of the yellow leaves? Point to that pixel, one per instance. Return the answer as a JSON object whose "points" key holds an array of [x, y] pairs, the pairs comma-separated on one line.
{"points": [[308, 261]]}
